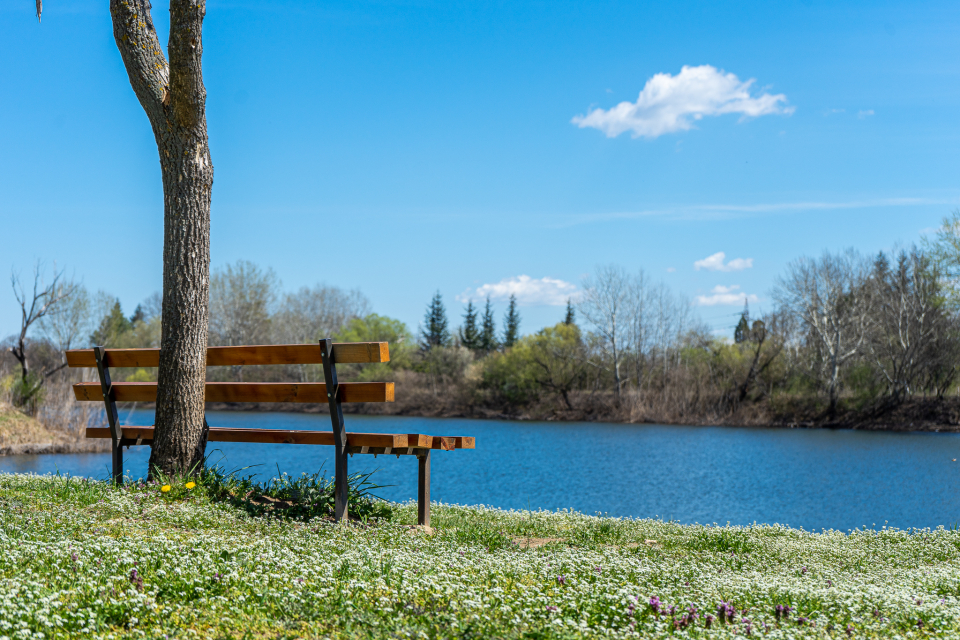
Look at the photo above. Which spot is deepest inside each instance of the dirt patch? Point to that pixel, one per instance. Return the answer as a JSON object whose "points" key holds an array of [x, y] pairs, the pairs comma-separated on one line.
{"points": [[533, 543]]}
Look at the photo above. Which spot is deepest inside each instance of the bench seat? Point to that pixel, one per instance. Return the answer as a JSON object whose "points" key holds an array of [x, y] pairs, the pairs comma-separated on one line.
{"points": [[389, 443]]}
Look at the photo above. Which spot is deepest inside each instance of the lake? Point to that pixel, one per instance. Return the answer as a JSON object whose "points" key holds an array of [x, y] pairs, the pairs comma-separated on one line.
{"points": [[803, 478]]}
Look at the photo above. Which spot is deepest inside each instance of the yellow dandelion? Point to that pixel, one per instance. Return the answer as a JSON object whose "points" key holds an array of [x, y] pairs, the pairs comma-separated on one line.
{"points": [[165, 488], [190, 485]]}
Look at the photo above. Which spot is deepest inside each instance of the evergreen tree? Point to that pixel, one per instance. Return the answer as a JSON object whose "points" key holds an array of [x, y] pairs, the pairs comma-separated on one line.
{"points": [[470, 333], [436, 334], [112, 326], [571, 316], [742, 332], [488, 330], [138, 315], [511, 324]]}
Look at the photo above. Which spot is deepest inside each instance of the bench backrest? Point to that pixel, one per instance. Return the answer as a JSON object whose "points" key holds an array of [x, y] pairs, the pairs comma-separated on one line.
{"points": [[274, 354]]}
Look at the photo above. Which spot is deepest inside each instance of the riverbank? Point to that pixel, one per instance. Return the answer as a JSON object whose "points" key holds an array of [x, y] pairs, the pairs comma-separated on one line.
{"points": [[914, 414], [83, 559], [21, 435]]}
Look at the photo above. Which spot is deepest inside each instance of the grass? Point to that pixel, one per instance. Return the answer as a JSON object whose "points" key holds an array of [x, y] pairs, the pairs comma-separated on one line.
{"points": [[82, 559]]}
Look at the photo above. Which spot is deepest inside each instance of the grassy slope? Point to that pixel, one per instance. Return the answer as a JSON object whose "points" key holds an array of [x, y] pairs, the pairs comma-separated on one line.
{"points": [[80, 559], [21, 434]]}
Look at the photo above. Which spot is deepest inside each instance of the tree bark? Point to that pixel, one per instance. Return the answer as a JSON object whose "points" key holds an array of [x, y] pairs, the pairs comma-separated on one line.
{"points": [[174, 99]]}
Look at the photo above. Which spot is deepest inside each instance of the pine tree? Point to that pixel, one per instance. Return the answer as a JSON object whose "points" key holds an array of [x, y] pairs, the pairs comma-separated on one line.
{"points": [[511, 324], [742, 332], [571, 316], [470, 333], [112, 326], [436, 334], [488, 330]]}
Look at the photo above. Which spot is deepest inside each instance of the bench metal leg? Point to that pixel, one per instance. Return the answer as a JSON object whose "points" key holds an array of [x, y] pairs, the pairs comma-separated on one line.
{"points": [[341, 485], [113, 418], [117, 458], [423, 490]]}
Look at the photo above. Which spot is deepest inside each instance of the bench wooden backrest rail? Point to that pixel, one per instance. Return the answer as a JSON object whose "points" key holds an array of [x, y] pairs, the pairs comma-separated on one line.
{"points": [[326, 353]]}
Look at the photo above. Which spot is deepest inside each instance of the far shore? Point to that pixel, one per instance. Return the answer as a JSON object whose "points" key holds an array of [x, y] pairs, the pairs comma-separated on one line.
{"points": [[913, 415], [26, 436]]}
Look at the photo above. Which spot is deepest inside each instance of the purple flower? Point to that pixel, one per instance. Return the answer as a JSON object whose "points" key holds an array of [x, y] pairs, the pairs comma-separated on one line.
{"points": [[849, 630], [803, 570], [599, 570], [709, 620], [561, 579], [136, 579], [655, 604], [551, 609]]}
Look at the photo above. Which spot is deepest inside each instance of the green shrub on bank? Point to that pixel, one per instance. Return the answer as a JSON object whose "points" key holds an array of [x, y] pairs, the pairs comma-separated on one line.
{"points": [[82, 559]]}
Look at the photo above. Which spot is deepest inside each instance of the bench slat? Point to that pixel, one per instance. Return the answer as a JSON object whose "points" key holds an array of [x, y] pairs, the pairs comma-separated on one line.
{"points": [[299, 436], [246, 392], [343, 353]]}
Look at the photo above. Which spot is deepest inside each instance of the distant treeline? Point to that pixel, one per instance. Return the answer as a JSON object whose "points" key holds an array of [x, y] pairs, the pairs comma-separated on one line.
{"points": [[845, 333]]}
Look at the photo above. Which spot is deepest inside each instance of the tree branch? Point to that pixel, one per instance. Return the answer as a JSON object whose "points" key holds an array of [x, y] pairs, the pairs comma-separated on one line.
{"points": [[188, 95], [142, 56]]}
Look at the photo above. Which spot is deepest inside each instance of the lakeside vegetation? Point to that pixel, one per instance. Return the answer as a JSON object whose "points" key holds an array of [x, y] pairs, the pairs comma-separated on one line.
{"points": [[849, 340], [81, 558]]}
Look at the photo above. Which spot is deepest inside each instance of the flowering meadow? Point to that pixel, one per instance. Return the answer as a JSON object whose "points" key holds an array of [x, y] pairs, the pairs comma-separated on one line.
{"points": [[82, 559]]}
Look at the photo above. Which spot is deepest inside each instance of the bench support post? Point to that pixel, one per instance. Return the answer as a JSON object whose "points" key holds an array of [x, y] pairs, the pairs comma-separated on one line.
{"points": [[423, 489], [340, 482], [113, 419]]}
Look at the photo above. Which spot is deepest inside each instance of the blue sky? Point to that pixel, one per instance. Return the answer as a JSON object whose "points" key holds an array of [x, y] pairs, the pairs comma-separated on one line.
{"points": [[406, 147]]}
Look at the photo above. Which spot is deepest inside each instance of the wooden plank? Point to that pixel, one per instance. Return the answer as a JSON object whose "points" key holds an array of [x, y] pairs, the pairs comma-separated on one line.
{"points": [[343, 353], [444, 444], [270, 436], [466, 442], [246, 392], [419, 440]]}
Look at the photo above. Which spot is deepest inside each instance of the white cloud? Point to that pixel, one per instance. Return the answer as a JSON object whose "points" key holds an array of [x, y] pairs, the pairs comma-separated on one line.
{"points": [[671, 269], [715, 263], [866, 113], [529, 291], [668, 103], [722, 295]]}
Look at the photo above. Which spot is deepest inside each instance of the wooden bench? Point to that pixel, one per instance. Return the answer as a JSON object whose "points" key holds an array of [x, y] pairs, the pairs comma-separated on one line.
{"points": [[327, 353]]}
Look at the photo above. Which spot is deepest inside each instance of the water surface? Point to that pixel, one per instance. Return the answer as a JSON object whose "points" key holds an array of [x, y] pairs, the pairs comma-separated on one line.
{"points": [[804, 478]]}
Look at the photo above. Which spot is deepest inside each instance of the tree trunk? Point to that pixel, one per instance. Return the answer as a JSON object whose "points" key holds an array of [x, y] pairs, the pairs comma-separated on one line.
{"points": [[174, 98]]}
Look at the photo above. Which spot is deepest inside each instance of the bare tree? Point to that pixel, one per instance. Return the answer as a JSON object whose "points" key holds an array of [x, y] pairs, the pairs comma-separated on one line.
{"points": [[316, 312], [242, 299], [911, 323], [830, 299], [639, 330], [42, 301], [605, 304], [68, 321], [174, 99]]}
